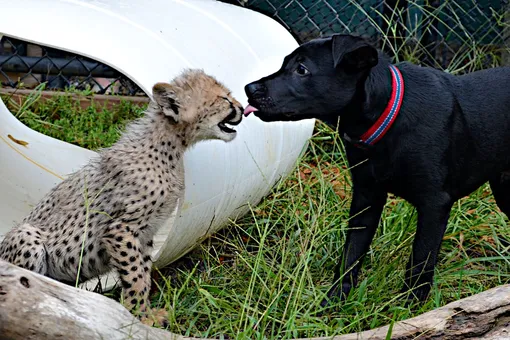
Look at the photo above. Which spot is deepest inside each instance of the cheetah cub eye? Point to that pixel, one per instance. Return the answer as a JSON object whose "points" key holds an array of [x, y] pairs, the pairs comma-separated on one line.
{"points": [[200, 105]]}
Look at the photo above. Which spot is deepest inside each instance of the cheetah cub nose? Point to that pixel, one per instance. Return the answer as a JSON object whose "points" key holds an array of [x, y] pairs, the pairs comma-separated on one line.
{"points": [[126, 193]]}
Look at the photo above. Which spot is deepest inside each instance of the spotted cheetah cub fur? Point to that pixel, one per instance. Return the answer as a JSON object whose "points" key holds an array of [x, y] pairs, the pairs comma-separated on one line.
{"points": [[108, 212]]}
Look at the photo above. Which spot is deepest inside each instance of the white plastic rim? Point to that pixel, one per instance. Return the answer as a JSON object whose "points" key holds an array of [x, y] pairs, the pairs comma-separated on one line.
{"points": [[151, 41]]}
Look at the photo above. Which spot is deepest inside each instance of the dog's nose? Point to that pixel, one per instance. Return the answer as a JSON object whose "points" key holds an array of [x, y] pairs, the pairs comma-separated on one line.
{"points": [[255, 90]]}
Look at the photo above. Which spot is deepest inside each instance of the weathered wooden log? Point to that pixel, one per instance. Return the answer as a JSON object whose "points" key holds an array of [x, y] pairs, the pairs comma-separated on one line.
{"points": [[482, 316], [36, 307]]}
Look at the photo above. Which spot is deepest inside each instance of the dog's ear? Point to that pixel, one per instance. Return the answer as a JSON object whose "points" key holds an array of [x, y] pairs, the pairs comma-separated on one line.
{"points": [[353, 52], [166, 98]]}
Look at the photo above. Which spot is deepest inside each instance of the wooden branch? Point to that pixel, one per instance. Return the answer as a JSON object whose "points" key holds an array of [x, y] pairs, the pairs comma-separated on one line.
{"points": [[482, 316], [36, 307]]}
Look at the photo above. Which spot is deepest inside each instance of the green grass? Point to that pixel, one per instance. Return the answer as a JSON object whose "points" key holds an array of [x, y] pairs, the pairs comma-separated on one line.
{"points": [[264, 275], [63, 118]]}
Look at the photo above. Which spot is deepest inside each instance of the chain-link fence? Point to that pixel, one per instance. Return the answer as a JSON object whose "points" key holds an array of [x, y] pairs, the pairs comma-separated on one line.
{"points": [[462, 35], [434, 32], [27, 65]]}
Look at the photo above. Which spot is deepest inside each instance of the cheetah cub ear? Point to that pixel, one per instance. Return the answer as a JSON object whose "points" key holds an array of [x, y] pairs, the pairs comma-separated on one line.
{"points": [[166, 97]]}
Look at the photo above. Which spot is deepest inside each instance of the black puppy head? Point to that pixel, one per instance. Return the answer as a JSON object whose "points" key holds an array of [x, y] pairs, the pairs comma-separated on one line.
{"points": [[319, 78]]}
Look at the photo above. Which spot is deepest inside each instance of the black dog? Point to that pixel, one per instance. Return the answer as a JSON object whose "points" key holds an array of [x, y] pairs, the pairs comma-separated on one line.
{"points": [[419, 133]]}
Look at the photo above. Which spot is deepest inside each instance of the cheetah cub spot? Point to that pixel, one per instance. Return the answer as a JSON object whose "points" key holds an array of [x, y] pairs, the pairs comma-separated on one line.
{"points": [[104, 216]]}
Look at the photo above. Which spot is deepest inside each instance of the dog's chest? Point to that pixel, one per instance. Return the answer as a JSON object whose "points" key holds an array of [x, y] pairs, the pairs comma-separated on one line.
{"points": [[399, 173]]}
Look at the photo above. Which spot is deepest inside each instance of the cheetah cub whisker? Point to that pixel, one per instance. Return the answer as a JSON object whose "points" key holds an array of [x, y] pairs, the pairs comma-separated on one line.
{"points": [[132, 188]]}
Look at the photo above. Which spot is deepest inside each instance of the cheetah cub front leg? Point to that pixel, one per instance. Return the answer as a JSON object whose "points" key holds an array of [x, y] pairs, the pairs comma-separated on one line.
{"points": [[133, 187], [133, 263]]}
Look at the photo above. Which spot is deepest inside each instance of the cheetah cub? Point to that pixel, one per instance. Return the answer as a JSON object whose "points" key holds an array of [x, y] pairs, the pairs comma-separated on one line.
{"points": [[106, 214]]}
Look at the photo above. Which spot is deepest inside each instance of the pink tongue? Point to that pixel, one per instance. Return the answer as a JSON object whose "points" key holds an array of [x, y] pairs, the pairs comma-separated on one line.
{"points": [[249, 109]]}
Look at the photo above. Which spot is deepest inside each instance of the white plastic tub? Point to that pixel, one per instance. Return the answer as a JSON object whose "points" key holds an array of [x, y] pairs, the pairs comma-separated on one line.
{"points": [[152, 41]]}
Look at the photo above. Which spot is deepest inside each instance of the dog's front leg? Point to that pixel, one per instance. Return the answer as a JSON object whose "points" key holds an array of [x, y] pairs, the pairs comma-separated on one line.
{"points": [[432, 221], [364, 215]]}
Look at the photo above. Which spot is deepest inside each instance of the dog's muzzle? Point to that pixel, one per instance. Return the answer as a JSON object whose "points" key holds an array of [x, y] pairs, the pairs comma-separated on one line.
{"points": [[257, 96], [255, 91]]}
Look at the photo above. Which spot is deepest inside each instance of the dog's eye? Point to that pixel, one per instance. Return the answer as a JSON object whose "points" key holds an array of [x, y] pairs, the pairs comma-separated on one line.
{"points": [[302, 70]]}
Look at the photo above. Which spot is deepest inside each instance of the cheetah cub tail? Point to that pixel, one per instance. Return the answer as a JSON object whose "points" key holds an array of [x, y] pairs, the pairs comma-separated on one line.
{"points": [[200, 105]]}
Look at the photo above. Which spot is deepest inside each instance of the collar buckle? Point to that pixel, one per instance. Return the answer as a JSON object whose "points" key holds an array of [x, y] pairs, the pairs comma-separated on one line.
{"points": [[358, 143]]}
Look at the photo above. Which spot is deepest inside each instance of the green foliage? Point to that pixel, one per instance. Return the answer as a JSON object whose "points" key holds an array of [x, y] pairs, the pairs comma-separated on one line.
{"points": [[265, 275], [63, 118]]}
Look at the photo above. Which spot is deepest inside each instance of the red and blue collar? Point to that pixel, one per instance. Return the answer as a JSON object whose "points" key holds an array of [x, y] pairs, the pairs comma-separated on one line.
{"points": [[387, 118]]}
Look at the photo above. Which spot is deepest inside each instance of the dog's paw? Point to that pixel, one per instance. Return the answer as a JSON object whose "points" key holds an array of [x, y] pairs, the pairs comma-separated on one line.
{"points": [[336, 294], [156, 317], [414, 295]]}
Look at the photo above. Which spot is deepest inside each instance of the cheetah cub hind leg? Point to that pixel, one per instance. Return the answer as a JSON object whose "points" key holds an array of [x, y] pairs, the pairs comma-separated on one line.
{"points": [[23, 246]]}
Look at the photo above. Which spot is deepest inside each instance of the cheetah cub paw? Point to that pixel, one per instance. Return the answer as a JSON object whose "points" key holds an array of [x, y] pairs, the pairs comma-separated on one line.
{"points": [[156, 317]]}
